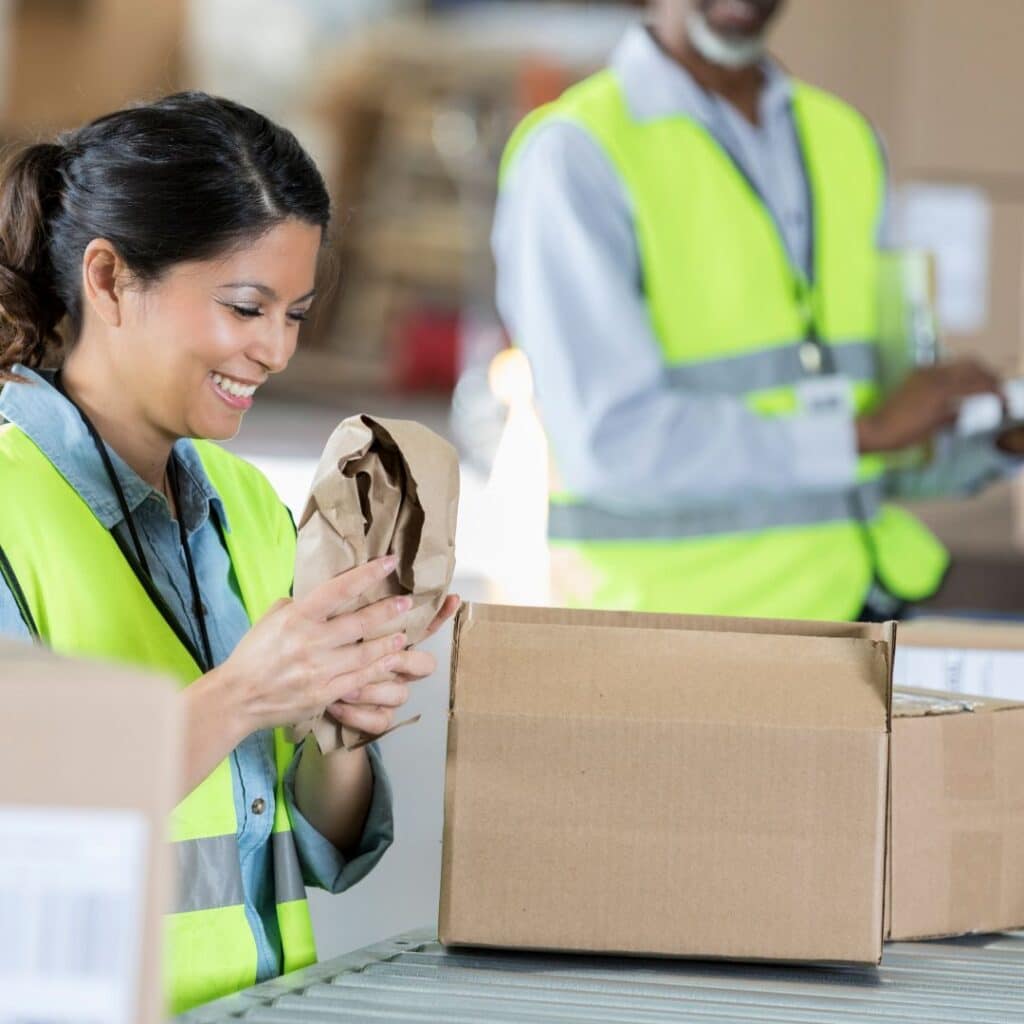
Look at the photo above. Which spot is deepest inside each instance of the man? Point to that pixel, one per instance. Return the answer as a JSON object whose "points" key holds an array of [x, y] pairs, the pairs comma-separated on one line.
{"points": [[687, 247]]}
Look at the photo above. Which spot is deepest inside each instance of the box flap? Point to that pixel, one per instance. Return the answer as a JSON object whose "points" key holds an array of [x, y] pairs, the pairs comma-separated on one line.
{"points": [[664, 667], [533, 614], [970, 634], [913, 702]]}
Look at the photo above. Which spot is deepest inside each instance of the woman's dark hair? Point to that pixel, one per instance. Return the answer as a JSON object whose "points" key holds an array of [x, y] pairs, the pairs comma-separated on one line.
{"points": [[185, 178]]}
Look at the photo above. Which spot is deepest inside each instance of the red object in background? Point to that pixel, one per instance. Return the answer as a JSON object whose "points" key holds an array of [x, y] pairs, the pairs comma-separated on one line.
{"points": [[541, 80], [425, 346]]}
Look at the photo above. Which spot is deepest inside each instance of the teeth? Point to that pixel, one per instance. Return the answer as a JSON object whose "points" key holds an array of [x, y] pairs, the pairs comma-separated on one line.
{"points": [[232, 387]]}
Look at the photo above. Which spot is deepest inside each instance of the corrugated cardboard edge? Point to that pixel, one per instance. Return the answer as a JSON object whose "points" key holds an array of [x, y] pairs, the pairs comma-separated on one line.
{"points": [[463, 620], [645, 955], [889, 629]]}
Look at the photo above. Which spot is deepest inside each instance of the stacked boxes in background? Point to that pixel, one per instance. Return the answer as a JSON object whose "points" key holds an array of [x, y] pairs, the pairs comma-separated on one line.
{"points": [[66, 61], [957, 166]]}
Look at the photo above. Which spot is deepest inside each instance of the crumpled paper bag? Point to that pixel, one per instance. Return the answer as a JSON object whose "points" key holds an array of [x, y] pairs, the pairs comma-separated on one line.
{"points": [[382, 487]]}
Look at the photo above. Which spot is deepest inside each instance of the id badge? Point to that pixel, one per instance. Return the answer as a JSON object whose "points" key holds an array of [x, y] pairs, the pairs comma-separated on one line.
{"points": [[825, 396]]}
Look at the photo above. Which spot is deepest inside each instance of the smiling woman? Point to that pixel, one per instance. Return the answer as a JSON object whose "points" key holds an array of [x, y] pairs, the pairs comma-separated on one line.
{"points": [[177, 244]]}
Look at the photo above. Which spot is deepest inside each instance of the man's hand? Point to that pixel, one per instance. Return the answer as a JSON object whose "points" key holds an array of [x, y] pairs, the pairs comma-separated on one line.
{"points": [[923, 404]]}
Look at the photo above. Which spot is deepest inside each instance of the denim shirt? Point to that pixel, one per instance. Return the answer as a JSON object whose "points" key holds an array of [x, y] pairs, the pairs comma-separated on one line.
{"points": [[55, 426]]}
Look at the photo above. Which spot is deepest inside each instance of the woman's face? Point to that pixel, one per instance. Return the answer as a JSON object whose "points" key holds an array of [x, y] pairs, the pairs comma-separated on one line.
{"points": [[200, 341]]}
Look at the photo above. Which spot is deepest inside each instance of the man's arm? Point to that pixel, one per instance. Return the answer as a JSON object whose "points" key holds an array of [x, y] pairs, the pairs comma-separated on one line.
{"points": [[569, 292]]}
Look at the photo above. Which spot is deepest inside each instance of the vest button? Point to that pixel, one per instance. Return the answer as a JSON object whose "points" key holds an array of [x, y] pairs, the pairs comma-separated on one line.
{"points": [[259, 805]]}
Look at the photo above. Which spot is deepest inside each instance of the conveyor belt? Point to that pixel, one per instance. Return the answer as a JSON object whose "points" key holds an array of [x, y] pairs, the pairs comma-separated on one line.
{"points": [[978, 980]]}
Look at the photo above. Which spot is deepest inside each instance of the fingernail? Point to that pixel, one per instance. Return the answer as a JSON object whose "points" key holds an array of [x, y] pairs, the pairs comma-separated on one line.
{"points": [[388, 564], [403, 604], [398, 641]]}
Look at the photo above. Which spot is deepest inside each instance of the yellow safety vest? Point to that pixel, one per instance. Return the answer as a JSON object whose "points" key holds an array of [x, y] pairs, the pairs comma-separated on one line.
{"points": [[733, 316], [85, 600]]}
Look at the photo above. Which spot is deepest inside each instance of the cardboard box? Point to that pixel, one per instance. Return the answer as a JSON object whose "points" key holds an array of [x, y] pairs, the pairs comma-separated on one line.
{"points": [[957, 831], [912, 67], [662, 784], [851, 49], [71, 60], [89, 770], [953, 112], [971, 656]]}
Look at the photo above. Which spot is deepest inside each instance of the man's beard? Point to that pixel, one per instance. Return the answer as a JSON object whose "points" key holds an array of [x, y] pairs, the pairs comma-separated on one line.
{"points": [[713, 47]]}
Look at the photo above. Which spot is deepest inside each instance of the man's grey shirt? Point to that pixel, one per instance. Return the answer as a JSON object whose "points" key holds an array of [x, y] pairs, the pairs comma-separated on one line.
{"points": [[568, 290]]}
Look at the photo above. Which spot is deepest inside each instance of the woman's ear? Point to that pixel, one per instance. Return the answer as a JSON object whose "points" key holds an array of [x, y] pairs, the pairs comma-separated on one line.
{"points": [[104, 275]]}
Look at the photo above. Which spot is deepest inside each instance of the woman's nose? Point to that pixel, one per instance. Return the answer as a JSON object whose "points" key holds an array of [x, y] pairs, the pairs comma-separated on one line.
{"points": [[277, 346]]}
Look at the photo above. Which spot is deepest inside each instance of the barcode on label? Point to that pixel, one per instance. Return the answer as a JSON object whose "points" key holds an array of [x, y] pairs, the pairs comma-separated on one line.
{"points": [[72, 893], [64, 932]]}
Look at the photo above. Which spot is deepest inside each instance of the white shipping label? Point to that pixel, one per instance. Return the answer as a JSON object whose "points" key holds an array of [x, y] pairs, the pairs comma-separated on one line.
{"points": [[981, 673], [72, 897], [955, 223]]}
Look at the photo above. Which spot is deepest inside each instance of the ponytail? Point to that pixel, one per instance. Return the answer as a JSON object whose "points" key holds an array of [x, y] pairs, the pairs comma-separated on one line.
{"points": [[30, 308]]}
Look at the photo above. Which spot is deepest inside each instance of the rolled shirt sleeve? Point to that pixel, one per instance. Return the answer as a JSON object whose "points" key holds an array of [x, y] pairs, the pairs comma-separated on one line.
{"points": [[323, 864], [569, 291]]}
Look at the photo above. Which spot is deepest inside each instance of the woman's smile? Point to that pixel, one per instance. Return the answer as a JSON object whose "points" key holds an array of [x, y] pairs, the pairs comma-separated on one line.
{"points": [[232, 391]]}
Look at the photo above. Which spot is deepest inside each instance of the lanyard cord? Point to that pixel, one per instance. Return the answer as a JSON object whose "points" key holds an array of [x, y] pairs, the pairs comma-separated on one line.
{"points": [[108, 465], [172, 477], [197, 597]]}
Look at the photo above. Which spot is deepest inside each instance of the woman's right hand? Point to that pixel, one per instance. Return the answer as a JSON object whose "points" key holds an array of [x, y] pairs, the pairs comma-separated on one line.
{"points": [[304, 655]]}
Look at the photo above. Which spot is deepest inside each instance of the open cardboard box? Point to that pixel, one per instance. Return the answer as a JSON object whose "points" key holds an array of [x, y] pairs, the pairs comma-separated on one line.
{"points": [[89, 768], [671, 785], [958, 780], [974, 656]]}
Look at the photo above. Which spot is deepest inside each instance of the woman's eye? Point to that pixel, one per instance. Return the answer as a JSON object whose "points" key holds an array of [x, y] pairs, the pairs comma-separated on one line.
{"points": [[247, 311], [299, 318]]}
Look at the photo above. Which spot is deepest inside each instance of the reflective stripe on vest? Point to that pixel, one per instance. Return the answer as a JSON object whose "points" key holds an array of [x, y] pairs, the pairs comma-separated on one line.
{"points": [[59, 553], [581, 521], [734, 317], [773, 367]]}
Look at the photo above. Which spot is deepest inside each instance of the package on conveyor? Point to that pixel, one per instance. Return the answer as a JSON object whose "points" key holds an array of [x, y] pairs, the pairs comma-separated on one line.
{"points": [[667, 784], [382, 487], [956, 844]]}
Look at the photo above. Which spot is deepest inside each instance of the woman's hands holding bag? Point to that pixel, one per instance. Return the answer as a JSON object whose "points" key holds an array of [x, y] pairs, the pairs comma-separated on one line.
{"points": [[305, 655], [371, 708]]}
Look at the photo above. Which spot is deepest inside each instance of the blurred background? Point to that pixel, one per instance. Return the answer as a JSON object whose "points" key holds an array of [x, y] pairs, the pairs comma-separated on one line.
{"points": [[406, 105]]}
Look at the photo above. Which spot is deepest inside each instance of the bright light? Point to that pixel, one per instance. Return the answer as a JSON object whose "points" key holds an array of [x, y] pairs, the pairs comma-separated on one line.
{"points": [[510, 379], [516, 493]]}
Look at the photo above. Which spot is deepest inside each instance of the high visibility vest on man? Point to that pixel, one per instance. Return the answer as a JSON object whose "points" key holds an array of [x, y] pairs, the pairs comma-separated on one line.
{"points": [[85, 600], [732, 315]]}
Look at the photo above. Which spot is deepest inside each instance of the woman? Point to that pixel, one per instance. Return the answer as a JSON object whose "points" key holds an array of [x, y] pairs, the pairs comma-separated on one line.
{"points": [[178, 243]]}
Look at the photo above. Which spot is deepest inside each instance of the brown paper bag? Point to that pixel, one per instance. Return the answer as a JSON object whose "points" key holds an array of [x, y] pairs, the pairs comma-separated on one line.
{"points": [[382, 487]]}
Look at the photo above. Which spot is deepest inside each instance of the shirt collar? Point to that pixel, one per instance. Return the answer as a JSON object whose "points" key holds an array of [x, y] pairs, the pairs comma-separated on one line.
{"points": [[658, 86], [58, 430]]}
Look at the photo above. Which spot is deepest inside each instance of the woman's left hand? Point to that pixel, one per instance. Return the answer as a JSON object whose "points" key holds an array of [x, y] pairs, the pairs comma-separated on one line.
{"points": [[372, 708]]}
